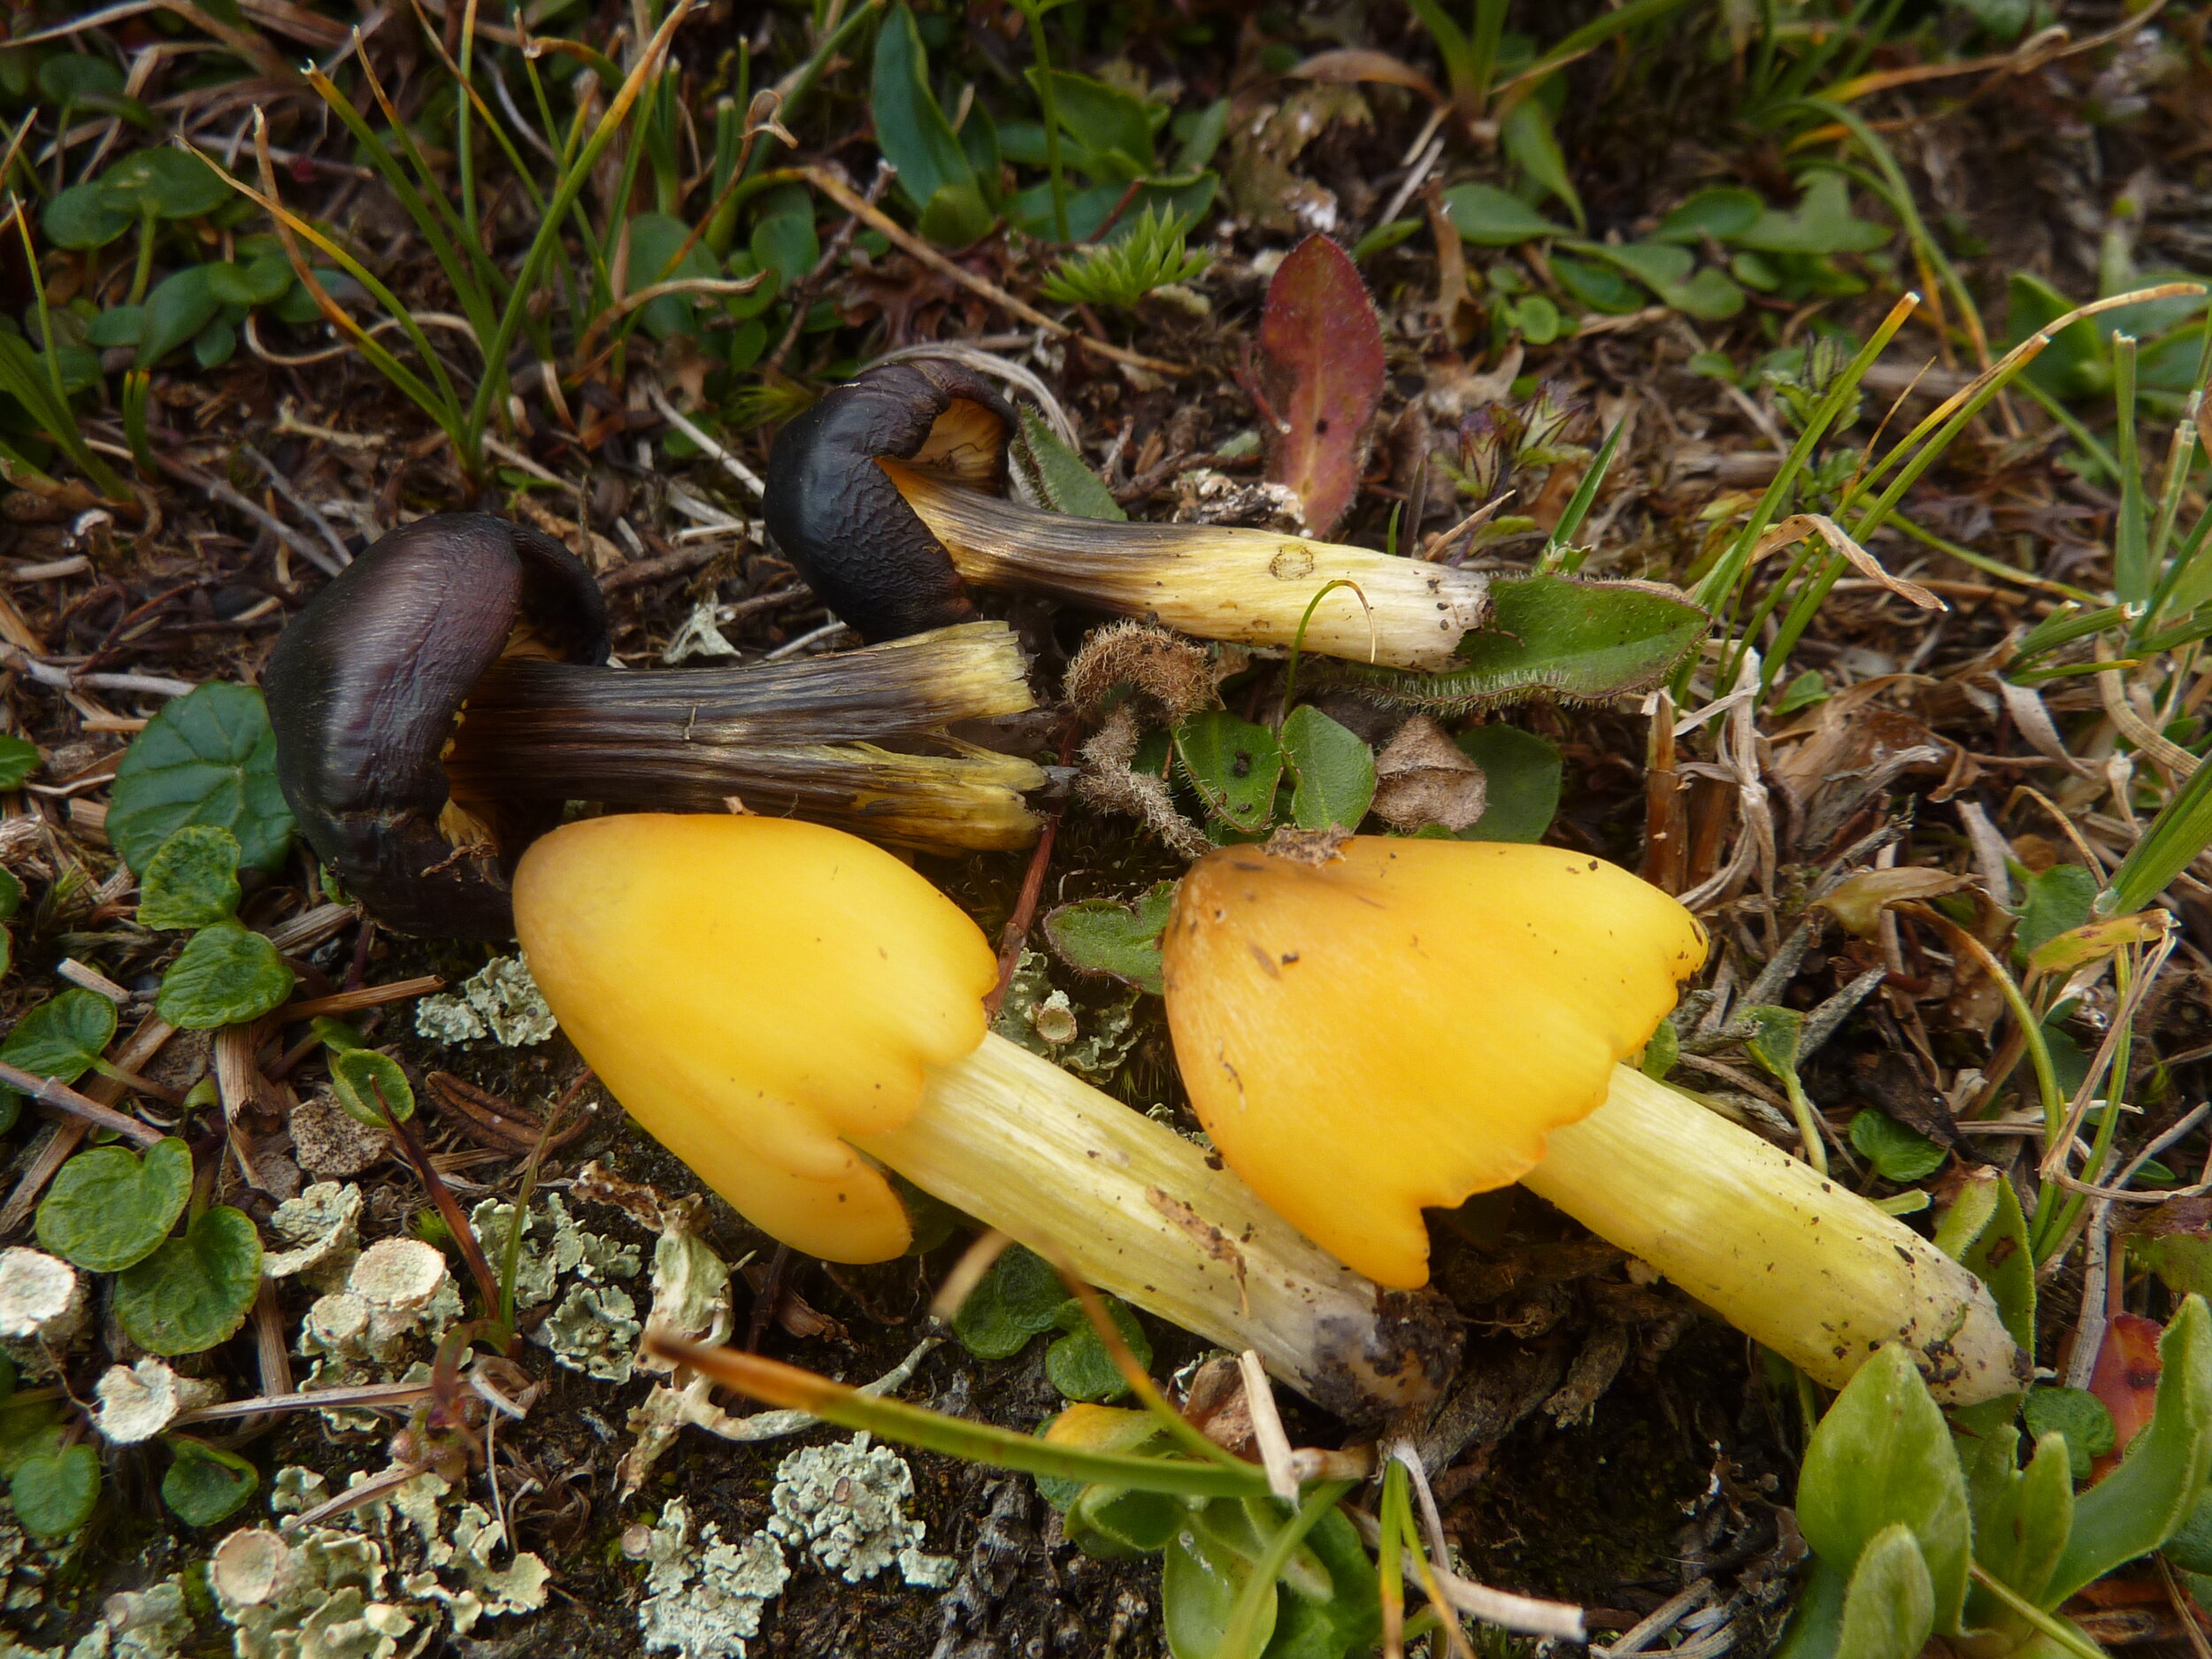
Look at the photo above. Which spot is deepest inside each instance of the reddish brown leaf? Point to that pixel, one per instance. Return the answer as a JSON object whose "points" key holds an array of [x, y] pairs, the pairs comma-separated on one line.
{"points": [[2126, 1381], [1322, 371]]}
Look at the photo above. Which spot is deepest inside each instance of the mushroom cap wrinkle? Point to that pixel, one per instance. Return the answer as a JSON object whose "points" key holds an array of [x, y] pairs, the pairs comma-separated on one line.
{"points": [[755, 991], [1403, 1024]]}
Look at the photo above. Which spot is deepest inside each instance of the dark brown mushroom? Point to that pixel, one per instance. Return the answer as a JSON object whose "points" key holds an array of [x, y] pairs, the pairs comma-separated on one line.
{"points": [[440, 702], [888, 494]]}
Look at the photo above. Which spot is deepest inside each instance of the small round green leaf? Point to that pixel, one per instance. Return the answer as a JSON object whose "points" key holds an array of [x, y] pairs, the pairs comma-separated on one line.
{"points": [[67, 77], [1520, 775], [54, 1491], [206, 758], [117, 326], [213, 346], [206, 1484], [1078, 1364], [1902, 1155], [191, 880], [194, 1291], [163, 184], [224, 974], [365, 1082], [1018, 1297], [178, 308], [61, 1038], [80, 218], [19, 759], [109, 1209]]}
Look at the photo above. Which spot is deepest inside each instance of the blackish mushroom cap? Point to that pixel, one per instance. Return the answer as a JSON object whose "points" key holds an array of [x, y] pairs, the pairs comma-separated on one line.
{"points": [[841, 518], [364, 687]]}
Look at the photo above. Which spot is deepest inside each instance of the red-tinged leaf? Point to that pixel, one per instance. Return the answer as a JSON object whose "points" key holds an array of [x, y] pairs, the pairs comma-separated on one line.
{"points": [[1321, 367], [2125, 1381]]}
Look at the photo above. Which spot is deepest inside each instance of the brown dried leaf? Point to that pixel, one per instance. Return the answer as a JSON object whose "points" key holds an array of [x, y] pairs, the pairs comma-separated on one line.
{"points": [[1858, 903], [1322, 369], [1425, 778]]}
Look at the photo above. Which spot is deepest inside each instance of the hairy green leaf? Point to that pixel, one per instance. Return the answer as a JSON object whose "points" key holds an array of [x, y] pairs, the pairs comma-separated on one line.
{"points": [[1017, 1297], [1106, 936], [194, 1291], [1233, 764], [110, 1208], [1889, 1607]]}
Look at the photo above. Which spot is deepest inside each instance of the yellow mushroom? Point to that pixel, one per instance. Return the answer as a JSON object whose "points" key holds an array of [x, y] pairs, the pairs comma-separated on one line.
{"points": [[790, 1010], [1377, 1027]]}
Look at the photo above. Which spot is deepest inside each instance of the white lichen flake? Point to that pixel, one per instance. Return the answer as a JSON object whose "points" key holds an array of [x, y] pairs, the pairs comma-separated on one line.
{"points": [[705, 1603], [846, 1505], [500, 1001]]}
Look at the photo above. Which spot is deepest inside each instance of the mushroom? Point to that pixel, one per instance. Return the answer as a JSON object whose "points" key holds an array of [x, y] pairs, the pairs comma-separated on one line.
{"points": [[888, 494], [1374, 1026], [442, 699], [791, 1011]]}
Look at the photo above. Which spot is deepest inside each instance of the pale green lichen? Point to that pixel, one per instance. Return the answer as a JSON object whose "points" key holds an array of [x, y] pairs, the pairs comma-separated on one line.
{"points": [[500, 1000], [704, 1602], [846, 1505], [594, 1331], [317, 1236], [303, 1592], [1090, 1042]]}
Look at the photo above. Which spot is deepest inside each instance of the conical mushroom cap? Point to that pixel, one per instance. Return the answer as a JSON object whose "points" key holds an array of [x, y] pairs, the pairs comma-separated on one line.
{"points": [[1402, 1024], [754, 991]]}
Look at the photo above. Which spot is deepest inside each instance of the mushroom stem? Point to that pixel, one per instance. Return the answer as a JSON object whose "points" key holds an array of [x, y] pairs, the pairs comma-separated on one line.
{"points": [[1784, 1253], [1245, 586], [1010, 1139], [795, 737]]}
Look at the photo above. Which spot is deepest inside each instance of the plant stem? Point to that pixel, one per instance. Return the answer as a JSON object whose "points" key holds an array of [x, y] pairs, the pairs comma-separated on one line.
{"points": [[1033, 12], [1787, 1256], [1012, 1139]]}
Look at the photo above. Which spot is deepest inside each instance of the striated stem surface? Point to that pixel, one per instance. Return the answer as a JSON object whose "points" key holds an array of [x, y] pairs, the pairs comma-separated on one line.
{"points": [[1214, 582], [1010, 1139], [1788, 1256]]}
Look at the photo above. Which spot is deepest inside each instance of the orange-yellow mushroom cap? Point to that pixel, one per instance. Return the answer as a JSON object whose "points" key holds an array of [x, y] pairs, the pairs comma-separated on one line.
{"points": [[1402, 1024], [755, 991]]}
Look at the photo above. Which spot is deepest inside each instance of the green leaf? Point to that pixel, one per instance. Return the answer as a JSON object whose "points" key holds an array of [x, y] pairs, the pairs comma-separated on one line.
{"points": [[1889, 1608], [1018, 1297], [117, 326], [2074, 363], [260, 283], [109, 1208], [191, 880], [1334, 770], [62, 1037], [1521, 773], [11, 895], [1529, 144], [1723, 213], [19, 759], [655, 240], [1822, 223], [1233, 764], [54, 1491], [2079, 1417], [80, 218], [784, 239], [1882, 1457], [1201, 1578], [70, 77], [1711, 296], [365, 1082], [1113, 127], [2053, 902], [911, 130], [163, 184], [2021, 1518], [1058, 476], [2190, 1548], [1803, 692], [1557, 636], [179, 309], [1902, 1154], [1486, 216], [206, 1484], [1106, 936], [1078, 1364], [225, 975], [206, 758], [1986, 1232], [1599, 285], [194, 1291], [2144, 1501]]}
